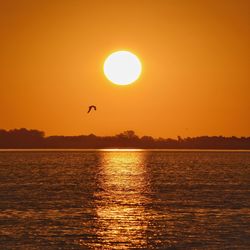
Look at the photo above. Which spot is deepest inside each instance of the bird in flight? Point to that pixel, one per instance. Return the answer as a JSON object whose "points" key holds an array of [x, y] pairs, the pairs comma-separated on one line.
{"points": [[91, 107]]}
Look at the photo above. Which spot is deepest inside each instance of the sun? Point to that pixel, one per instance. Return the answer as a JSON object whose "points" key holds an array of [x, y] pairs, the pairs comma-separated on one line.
{"points": [[122, 67]]}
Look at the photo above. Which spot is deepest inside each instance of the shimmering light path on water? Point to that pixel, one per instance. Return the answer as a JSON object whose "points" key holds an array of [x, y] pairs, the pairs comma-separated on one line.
{"points": [[124, 200]]}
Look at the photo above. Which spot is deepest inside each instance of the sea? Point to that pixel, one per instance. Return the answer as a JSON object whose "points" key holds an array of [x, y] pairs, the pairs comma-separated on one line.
{"points": [[124, 199]]}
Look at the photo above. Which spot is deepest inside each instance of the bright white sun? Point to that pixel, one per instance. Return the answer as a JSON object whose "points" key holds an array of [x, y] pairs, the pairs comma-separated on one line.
{"points": [[122, 67]]}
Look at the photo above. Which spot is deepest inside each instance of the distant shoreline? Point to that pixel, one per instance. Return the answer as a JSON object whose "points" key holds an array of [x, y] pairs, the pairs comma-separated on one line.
{"points": [[35, 139]]}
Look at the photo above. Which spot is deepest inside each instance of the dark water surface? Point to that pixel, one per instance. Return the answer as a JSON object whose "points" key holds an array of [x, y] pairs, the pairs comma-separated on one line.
{"points": [[124, 200]]}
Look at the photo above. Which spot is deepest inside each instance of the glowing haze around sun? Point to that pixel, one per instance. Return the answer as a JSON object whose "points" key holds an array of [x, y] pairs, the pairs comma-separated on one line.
{"points": [[122, 67]]}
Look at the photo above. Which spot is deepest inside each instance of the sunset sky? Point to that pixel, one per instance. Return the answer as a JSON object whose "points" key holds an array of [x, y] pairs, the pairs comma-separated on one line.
{"points": [[195, 66]]}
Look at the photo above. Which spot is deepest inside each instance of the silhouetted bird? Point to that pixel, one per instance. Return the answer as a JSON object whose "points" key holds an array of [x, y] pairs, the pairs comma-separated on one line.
{"points": [[91, 107]]}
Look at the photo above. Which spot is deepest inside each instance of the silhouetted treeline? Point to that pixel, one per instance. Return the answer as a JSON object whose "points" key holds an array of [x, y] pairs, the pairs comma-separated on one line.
{"points": [[23, 138]]}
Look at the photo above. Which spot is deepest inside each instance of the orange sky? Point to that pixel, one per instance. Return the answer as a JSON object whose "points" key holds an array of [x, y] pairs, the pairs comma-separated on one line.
{"points": [[195, 57]]}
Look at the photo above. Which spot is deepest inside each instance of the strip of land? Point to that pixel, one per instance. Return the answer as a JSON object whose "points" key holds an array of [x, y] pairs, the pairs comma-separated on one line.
{"points": [[35, 139]]}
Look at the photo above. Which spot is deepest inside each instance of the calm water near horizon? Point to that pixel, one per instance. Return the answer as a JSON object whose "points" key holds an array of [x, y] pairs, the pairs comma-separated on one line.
{"points": [[124, 199]]}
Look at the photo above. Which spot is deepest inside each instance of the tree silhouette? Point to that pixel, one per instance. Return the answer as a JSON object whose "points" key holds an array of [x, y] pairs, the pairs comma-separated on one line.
{"points": [[24, 138]]}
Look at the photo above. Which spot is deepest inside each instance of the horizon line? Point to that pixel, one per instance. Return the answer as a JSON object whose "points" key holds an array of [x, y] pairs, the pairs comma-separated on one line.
{"points": [[139, 136]]}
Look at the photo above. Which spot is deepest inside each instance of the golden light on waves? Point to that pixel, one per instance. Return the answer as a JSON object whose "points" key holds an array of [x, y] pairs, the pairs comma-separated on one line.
{"points": [[121, 205]]}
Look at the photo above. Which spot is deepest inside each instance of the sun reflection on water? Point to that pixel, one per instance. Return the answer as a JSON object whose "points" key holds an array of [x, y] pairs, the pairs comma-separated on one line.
{"points": [[120, 205]]}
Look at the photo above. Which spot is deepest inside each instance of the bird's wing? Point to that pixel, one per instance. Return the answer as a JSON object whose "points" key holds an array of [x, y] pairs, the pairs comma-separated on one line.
{"points": [[89, 109], [94, 107]]}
